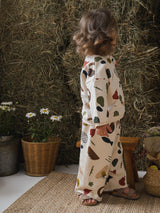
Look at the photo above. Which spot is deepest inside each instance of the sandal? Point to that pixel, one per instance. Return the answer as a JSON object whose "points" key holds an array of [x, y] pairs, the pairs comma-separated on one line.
{"points": [[126, 193], [83, 198]]}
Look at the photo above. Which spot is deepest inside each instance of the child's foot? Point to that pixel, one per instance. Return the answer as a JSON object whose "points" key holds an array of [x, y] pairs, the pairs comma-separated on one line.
{"points": [[127, 193], [87, 201]]}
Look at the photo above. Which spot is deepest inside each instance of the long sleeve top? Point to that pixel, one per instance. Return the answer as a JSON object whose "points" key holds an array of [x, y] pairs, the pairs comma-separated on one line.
{"points": [[101, 91]]}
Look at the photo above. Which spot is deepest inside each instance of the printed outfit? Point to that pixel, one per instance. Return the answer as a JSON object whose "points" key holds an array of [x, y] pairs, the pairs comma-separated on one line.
{"points": [[101, 165]]}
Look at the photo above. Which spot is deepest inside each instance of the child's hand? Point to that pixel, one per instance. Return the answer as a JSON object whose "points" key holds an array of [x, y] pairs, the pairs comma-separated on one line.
{"points": [[102, 130]]}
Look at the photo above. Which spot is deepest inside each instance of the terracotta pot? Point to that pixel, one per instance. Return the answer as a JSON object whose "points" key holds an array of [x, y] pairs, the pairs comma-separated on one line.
{"points": [[9, 155], [40, 157]]}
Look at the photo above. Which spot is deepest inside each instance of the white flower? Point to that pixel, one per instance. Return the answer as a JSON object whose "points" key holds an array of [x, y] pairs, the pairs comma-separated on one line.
{"points": [[55, 118], [13, 109], [7, 103], [3, 107], [30, 115], [44, 111], [10, 108], [7, 108]]}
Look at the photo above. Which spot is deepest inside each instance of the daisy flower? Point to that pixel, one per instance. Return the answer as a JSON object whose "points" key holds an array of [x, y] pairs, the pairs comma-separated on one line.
{"points": [[3, 108], [7, 103], [55, 118], [6, 106], [30, 115], [10, 108], [44, 111]]}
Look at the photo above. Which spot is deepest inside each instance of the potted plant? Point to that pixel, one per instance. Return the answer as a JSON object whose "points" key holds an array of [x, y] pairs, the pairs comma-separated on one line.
{"points": [[152, 146], [152, 140], [40, 147], [9, 143]]}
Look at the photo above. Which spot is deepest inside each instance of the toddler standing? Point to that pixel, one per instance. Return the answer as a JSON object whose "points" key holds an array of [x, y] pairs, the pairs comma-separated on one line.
{"points": [[101, 166]]}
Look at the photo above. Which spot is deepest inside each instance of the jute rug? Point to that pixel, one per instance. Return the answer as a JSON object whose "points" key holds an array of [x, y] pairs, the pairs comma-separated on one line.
{"points": [[55, 194]]}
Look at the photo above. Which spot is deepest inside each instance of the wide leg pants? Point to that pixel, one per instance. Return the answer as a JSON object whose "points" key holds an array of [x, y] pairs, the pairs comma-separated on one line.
{"points": [[101, 166]]}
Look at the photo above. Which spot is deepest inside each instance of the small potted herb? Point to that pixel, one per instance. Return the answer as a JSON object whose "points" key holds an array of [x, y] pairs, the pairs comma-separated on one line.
{"points": [[152, 140]]}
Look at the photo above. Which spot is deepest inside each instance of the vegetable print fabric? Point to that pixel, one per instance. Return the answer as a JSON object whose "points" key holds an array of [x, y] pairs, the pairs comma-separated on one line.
{"points": [[101, 165]]}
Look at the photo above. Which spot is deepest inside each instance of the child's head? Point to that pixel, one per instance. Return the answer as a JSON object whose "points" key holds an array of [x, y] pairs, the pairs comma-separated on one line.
{"points": [[97, 33]]}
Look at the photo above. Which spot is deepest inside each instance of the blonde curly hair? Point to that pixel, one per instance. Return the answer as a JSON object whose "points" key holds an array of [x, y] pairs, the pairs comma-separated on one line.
{"points": [[97, 30]]}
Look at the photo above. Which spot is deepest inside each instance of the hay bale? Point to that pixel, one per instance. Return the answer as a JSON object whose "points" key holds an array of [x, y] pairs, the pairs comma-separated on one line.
{"points": [[32, 43], [31, 53]]}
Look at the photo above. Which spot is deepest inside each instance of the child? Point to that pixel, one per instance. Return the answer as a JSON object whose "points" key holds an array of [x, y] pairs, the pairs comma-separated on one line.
{"points": [[101, 165]]}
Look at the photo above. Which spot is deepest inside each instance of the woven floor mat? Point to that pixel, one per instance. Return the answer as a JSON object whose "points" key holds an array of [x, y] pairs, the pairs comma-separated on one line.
{"points": [[55, 194]]}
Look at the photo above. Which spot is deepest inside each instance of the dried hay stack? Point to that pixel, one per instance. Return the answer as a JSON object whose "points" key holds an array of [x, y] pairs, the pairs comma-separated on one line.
{"points": [[39, 67], [32, 44]]}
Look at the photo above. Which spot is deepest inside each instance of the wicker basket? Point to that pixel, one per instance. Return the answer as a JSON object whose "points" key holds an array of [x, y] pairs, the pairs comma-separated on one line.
{"points": [[153, 159], [40, 157], [152, 144], [152, 182]]}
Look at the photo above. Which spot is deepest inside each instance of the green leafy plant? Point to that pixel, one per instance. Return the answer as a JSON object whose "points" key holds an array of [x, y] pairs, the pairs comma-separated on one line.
{"points": [[153, 131], [41, 126], [7, 119]]}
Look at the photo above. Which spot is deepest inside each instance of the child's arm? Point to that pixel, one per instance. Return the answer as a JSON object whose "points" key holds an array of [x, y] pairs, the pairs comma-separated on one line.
{"points": [[106, 99]]}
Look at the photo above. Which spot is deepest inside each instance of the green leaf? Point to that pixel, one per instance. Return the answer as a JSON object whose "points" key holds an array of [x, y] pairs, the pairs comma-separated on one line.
{"points": [[33, 135]]}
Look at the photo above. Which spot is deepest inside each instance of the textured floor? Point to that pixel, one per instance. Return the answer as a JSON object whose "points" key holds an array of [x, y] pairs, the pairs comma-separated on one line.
{"points": [[12, 187]]}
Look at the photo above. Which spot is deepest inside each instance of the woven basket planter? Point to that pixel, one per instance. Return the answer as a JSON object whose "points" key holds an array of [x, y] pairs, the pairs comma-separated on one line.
{"points": [[152, 182], [40, 157], [153, 160]]}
